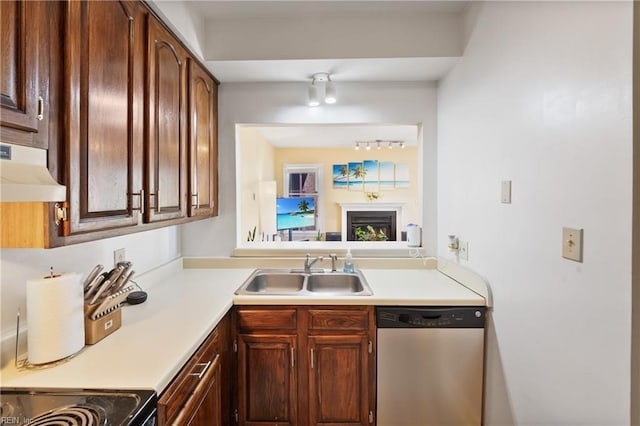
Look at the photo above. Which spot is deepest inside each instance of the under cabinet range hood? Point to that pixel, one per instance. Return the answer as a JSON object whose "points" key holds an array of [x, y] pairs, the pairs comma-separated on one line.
{"points": [[24, 176]]}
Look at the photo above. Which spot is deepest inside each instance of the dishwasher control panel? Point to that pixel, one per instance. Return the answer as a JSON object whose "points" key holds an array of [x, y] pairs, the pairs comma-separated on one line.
{"points": [[430, 317]]}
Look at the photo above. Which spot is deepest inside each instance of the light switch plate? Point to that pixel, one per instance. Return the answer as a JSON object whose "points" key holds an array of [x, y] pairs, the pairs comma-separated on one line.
{"points": [[505, 196], [572, 244]]}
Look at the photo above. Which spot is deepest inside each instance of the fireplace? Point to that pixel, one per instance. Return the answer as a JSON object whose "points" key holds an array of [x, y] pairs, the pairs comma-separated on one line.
{"points": [[382, 216], [382, 222]]}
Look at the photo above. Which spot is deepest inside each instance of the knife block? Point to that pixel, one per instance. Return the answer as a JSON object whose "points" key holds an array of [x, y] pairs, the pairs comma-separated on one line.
{"points": [[96, 330]]}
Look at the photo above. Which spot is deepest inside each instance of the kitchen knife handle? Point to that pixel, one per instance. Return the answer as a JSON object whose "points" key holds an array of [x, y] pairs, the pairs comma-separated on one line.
{"points": [[202, 372]]}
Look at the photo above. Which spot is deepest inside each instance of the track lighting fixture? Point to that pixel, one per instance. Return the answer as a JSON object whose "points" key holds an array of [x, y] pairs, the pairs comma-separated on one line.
{"points": [[379, 144], [318, 79]]}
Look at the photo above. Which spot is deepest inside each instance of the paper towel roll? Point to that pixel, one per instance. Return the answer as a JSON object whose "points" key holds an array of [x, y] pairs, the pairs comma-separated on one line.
{"points": [[55, 317]]}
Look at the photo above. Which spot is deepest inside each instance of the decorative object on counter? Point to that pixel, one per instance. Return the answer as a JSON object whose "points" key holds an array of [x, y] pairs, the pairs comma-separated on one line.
{"points": [[252, 235], [414, 235], [348, 262], [372, 196], [55, 317]]}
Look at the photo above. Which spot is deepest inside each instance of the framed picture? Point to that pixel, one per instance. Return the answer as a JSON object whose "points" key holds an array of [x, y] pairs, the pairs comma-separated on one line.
{"points": [[371, 177], [386, 175]]}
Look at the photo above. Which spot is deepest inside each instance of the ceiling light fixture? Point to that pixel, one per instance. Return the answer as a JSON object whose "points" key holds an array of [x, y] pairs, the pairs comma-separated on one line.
{"points": [[329, 89], [379, 143]]}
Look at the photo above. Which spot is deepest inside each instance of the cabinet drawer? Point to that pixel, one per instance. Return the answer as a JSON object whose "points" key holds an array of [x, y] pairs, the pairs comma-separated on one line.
{"points": [[185, 386], [338, 319], [267, 319]]}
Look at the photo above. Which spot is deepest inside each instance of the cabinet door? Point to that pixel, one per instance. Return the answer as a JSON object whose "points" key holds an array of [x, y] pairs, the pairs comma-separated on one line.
{"points": [[203, 142], [24, 36], [209, 411], [267, 380], [166, 130], [338, 380], [104, 88]]}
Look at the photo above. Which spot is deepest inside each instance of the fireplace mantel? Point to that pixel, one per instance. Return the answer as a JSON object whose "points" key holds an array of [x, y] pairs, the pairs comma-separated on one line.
{"points": [[371, 206]]}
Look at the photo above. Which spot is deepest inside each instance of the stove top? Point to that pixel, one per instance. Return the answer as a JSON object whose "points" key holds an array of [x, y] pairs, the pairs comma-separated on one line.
{"points": [[82, 407]]}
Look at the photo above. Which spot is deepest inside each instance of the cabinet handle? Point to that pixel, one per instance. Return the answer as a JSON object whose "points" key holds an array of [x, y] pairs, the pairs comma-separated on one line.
{"points": [[141, 195], [204, 366], [312, 356], [157, 205], [197, 197], [293, 357], [40, 115]]}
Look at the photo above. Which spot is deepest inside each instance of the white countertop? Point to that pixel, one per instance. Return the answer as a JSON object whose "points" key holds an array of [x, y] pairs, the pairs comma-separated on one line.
{"points": [[160, 335]]}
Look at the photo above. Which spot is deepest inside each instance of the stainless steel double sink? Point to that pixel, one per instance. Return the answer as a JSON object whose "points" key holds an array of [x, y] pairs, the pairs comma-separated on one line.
{"points": [[295, 282]]}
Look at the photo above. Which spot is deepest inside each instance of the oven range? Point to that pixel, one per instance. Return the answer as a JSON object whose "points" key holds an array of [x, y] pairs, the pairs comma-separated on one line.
{"points": [[82, 407]]}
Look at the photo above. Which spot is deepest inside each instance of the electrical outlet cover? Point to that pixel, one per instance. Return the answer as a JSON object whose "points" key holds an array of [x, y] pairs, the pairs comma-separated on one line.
{"points": [[463, 250], [119, 256], [572, 244]]}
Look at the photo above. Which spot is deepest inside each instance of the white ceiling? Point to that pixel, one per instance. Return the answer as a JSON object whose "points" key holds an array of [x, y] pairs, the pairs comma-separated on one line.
{"points": [[331, 136], [266, 9], [346, 69]]}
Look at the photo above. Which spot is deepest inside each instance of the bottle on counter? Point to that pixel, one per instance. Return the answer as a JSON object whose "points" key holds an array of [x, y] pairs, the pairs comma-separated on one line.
{"points": [[348, 262]]}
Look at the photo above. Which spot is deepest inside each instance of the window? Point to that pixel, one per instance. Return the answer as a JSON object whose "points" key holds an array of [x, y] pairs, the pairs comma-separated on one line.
{"points": [[304, 180]]}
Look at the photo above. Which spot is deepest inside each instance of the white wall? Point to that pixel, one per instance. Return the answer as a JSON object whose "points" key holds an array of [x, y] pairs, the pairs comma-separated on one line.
{"points": [[264, 103], [146, 250], [542, 97]]}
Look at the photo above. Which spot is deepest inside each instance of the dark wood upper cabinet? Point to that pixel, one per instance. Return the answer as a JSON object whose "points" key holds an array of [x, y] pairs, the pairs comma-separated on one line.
{"points": [[203, 142], [128, 115], [166, 157], [24, 32], [104, 89]]}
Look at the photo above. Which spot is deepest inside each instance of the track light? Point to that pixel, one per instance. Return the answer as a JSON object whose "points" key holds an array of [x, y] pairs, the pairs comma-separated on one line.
{"points": [[313, 100], [379, 143], [329, 89]]}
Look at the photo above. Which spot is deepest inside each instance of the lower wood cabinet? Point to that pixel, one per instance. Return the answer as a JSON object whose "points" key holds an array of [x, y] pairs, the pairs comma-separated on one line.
{"points": [[199, 394], [305, 365]]}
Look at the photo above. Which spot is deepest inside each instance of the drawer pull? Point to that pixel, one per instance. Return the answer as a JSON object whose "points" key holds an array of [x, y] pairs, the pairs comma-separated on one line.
{"points": [[204, 366]]}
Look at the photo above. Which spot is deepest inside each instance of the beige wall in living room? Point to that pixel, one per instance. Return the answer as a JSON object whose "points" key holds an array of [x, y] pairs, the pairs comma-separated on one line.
{"points": [[330, 210]]}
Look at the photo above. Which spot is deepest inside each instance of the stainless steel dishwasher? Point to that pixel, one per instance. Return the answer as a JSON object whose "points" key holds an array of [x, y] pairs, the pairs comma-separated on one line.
{"points": [[430, 365]]}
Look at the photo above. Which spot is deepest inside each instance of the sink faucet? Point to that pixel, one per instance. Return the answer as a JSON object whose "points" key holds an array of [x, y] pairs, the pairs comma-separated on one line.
{"points": [[334, 259], [308, 265]]}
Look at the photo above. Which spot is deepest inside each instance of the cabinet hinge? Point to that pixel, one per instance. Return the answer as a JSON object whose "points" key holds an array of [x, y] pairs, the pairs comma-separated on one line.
{"points": [[60, 213], [235, 415], [371, 417], [370, 347], [235, 346]]}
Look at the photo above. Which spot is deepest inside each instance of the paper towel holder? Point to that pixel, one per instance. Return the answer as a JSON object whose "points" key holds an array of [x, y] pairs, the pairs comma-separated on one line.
{"points": [[24, 364]]}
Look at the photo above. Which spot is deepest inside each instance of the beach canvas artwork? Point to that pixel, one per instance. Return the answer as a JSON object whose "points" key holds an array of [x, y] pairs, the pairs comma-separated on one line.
{"points": [[371, 176], [402, 175], [387, 175], [340, 176], [356, 176]]}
